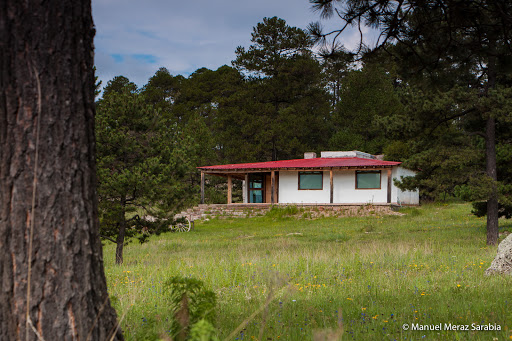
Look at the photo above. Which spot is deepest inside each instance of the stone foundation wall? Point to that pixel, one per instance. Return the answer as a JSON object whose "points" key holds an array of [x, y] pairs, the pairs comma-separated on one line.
{"points": [[311, 211]]}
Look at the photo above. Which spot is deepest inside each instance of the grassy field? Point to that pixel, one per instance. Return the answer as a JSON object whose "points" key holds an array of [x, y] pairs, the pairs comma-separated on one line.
{"points": [[363, 277]]}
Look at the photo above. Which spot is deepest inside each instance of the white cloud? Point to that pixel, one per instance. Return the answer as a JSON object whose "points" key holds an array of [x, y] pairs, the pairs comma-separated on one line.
{"points": [[183, 36]]}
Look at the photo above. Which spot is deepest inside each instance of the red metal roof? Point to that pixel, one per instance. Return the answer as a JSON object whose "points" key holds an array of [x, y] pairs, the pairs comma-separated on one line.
{"points": [[306, 163]]}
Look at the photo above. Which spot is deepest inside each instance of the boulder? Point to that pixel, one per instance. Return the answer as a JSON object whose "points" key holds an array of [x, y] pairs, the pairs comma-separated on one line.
{"points": [[502, 263]]}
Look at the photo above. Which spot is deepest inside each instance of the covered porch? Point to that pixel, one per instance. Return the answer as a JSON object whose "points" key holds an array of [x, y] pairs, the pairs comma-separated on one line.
{"points": [[262, 186], [259, 186]]}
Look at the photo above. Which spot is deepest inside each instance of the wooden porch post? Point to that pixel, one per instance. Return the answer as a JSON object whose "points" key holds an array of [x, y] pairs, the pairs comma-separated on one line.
{"points": [[202, 187], [247, 192], [332, 187], [272, 186], [230, 187], [389, 185]]}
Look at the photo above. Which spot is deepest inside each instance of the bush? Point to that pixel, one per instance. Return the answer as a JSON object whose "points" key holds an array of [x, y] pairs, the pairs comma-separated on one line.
{"points": [[203, 331], [280, 212], [480, 210], [191, 303]]}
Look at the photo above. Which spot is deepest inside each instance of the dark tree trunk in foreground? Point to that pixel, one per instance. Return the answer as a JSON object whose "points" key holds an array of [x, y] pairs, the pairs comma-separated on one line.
{"points": [[47, 85]]}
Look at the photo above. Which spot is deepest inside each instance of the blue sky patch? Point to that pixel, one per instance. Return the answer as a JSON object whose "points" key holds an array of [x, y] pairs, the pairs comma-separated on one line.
{"points": [[147, 34], [118, 58], [145, 58]]}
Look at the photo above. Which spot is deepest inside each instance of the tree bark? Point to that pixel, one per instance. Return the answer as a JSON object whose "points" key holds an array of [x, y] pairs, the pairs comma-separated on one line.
{"points": [[492, 202], [490, 154], [51, 262], [121, 234], [202, 187]]}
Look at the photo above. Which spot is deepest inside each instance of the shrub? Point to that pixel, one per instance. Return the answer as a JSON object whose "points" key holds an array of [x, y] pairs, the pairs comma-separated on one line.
{"points": [[191, 303], [203, 331], [280, 212]]}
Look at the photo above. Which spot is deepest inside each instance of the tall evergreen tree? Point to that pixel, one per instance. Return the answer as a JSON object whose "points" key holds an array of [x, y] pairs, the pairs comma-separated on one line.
{"points": [[274, 43], [284, 108], [119, 84], [53, 283], [336, 65], [142, 160], [199, 106], [454, 37], [163, 89], [367, 97]]}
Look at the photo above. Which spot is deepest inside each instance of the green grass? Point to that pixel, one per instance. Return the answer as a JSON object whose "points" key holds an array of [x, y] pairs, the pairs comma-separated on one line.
{"points": [[379, 272]]}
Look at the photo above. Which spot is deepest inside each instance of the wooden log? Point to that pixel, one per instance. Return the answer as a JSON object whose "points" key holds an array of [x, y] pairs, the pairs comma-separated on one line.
{"points": [[230, 188], [223, 172], [272, 187], [332, 187], [389, 185], [247, 192], [202, 187]]}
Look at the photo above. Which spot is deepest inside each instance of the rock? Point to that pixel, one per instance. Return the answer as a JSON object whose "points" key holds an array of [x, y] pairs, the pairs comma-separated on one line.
{"points": [[502, 263]]}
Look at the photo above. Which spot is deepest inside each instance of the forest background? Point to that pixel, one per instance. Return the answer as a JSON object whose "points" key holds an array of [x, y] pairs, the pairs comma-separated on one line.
{"points": [[284, 95]]}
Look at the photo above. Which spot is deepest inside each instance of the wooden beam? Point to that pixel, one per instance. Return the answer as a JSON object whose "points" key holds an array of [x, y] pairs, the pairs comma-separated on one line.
{"points": [[277, 187], [389, 186], [230, 188], [332, 187], [238, 176], [220, 172], [272, 187], [247, 199], [202, 187]]}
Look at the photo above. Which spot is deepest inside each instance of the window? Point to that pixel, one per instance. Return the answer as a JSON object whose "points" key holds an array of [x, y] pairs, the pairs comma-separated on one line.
{"points": [[311, 180], [256, 181], [367, 179]]}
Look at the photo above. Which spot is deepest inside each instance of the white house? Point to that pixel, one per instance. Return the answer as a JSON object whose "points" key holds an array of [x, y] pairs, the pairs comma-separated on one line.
{"points": [[351, 177]]}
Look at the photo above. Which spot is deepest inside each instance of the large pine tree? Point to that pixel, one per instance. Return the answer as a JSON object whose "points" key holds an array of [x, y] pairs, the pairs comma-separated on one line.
{"points": [[284, 108], [443, 39], [53, 284]]}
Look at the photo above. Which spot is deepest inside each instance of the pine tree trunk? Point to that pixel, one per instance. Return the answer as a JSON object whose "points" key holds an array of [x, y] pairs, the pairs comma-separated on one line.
{"points": [[492, 202], [490, 155], [121, 234], [120, 243], [47, 104]]}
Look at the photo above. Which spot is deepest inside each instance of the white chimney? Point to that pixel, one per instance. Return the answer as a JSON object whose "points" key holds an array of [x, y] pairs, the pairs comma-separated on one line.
{"points": [[309, 155]]}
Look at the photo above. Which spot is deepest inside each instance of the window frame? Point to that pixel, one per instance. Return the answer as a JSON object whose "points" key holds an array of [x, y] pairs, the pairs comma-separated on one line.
{"points": [[311, 172], [261, 177], [366, 172]]}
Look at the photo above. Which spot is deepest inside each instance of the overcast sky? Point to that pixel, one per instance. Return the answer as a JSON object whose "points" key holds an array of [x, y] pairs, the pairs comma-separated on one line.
{"points": [[135, 38]]}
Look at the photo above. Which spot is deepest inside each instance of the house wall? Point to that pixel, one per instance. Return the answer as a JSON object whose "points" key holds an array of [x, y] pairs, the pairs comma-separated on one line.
{"points": [[404, 197], [344, 183], [344, 186], [289, 189]]}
